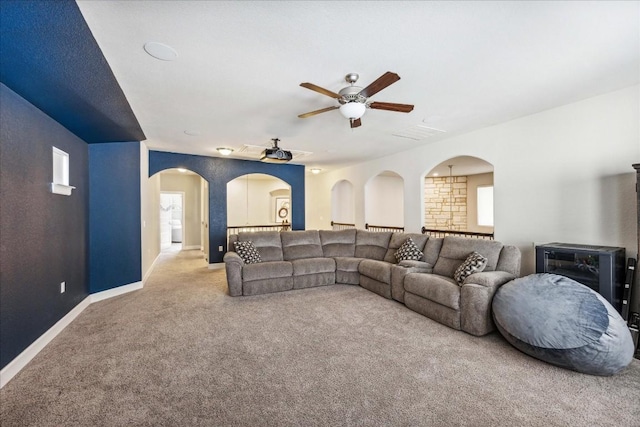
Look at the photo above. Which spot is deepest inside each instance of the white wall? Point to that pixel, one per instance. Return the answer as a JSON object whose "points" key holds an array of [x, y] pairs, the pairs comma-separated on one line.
{"points": [[384, 201], [190, 185], [342, 203], [559, 175], [149, 212], [261, 203], [473, 182]]}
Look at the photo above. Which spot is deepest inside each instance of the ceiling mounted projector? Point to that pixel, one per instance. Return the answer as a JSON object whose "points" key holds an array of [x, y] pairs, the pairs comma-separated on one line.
{"points": [[275, 154]]}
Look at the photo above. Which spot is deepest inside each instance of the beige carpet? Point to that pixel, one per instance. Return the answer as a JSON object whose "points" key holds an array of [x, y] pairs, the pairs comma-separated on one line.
{"points": [[180, 352]]}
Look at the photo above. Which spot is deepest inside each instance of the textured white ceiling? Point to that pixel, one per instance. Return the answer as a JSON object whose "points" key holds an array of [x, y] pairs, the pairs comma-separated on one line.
{"points": [[464, 65]]}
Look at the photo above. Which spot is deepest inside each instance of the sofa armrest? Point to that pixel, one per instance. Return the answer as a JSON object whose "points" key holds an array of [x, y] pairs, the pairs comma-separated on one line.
{"points": [[398, 273], [232, 257], [476, 296], [489, 278], [233, 265]]}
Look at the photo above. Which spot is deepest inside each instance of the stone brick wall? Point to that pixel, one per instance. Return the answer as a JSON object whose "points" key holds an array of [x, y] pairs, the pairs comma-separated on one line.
{"points": [[442, 197]]}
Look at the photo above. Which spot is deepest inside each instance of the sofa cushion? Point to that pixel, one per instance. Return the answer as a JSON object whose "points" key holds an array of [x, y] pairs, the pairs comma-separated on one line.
{"points": [[338, 243], [398, 239], [267, 242], [456, 249], [378, 270], [475, 263], [424, 267], [313, 266], [509, 261], [398, 273], [408, 251], [301, 244], [247, 252], [372, 245], [432, 249], [267, 270], [443, 290], [347, 263]]}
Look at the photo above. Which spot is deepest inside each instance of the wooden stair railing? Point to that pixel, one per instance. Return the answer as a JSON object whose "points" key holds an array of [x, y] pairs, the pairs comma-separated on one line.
{"points": [[442, 233]]}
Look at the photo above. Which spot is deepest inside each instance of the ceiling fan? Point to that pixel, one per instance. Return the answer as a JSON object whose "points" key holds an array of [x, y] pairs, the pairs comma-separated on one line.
{"points": [[354, 100]]}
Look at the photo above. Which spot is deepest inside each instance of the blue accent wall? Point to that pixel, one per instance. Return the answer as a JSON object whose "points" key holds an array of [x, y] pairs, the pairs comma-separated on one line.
{"points": [[50, 58], [218, 172], [58, 90], [44, 236], [114, 215]]}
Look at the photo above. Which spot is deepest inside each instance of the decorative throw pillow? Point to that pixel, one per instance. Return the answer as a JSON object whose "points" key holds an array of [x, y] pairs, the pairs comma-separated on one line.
{"points": [[474, 263], [248, 252], [408, 251]]}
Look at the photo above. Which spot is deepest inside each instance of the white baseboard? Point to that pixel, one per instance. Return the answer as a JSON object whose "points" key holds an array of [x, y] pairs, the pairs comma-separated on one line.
{"points": [[216, 266], [148, 273], [188, 248], [110, 293], [16, 365]]}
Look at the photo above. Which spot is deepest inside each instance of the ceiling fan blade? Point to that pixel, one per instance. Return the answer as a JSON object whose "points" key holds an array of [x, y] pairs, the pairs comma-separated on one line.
{"points": [[313, 113], [390, 106], [355, 123], [321, 90], [383, 81]]}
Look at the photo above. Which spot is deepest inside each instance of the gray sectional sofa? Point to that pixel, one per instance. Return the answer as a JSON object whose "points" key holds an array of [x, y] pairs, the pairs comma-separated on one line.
{"points": [[303, 259]]}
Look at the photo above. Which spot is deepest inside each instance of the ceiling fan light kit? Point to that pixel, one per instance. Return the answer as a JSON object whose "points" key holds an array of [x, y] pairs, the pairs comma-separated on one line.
{"points": [[352, 110], [354, 100]]}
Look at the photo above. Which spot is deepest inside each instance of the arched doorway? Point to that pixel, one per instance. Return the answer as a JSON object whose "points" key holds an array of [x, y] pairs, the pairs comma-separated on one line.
{"points": [[181, 201], [384, 202], [458, 197], [218, 172], [258, 202]]}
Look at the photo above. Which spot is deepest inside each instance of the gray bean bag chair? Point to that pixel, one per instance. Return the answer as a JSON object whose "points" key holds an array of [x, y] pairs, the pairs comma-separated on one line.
{"points": [[558, 320]]}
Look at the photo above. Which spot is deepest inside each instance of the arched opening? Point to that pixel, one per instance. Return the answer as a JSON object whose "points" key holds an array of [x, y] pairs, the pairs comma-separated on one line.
{"points": [[184, 227], [218, 172], [181, 201], [343, 212], [458, 198], [258, 202], [384, 202]]}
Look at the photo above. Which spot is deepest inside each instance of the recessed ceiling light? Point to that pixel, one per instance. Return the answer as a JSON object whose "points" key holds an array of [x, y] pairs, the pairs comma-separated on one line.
{"points": [[224, 150], [315, 171], [160, 51], [436, 174], [183, 170], [192, 132]]}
